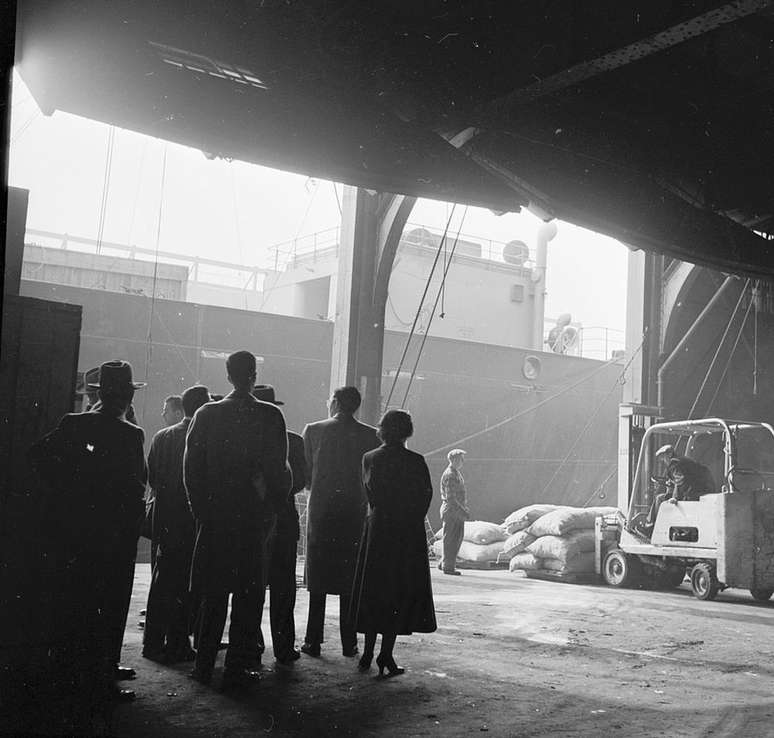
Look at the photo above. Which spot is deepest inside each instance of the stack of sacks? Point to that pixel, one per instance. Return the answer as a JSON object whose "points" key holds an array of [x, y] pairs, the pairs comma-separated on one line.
{"points": [[516, 526], [482, 543], [563, 542], [525, 516]]}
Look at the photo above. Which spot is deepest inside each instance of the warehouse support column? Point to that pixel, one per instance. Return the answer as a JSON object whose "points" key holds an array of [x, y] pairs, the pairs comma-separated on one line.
{"points": [[644, 300], [371, 227]]}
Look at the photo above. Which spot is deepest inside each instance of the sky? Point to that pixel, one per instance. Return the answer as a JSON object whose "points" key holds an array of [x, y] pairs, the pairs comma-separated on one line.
{"points": [[236, 212]]}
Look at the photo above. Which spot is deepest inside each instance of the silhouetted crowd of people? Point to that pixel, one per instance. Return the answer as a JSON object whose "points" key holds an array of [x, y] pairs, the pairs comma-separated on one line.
{"points": [[223, 524]]}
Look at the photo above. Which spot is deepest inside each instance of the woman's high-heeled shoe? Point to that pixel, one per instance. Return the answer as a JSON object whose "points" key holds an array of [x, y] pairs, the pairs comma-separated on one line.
{"points": [[392, 668], [365, 661]]}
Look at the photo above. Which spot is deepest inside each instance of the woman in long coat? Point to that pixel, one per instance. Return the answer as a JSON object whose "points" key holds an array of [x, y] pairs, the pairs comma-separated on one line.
{"points": [[392, 592]]}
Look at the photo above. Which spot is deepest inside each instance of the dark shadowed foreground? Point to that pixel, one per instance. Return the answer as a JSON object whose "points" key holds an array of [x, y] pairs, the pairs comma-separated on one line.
{"points": [[512, 657]]}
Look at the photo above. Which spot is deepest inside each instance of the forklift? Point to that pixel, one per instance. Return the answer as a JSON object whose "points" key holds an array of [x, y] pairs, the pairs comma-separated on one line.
{"points": [[722, 536]]}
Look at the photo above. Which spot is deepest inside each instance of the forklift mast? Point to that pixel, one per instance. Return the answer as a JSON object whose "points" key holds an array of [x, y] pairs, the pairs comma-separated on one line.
{"points": [[633, 421]]}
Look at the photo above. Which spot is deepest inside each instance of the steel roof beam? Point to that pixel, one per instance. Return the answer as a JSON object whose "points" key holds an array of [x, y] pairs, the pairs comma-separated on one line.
{"points": [[656, 43]]}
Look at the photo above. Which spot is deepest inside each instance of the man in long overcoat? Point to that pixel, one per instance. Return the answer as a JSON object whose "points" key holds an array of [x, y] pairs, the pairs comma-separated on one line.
{"points": [[336, 511], [283, 550], [94, 465], [236, 477], [167, 622], [126, 577]]}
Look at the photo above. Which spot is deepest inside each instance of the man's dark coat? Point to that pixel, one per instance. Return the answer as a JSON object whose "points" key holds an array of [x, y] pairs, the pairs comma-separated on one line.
{"points": [[173, 524], [173, 531], [337, 503], [94, 465], [236, 477]]}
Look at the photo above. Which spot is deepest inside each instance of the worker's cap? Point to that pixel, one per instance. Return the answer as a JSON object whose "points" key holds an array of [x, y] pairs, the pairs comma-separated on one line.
{"points": [[667, 449], [454, 453]]}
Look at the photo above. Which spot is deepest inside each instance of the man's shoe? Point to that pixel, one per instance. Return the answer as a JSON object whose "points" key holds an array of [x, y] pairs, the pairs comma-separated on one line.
{"points": [[289, 658], [454, 573], [124, 672], [311, 649], [239, 678], [349, 652], [122, 695]]}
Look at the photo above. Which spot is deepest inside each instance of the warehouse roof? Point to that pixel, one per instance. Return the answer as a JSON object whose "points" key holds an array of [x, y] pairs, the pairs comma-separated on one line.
{"points": [[652, 122]]}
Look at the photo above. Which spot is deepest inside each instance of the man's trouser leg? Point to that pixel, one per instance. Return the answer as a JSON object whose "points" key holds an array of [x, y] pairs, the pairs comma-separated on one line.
{"points": [[346, 626], [157, 609], [453, 530], [282, 596], [316, 621], [244, 627], [120, 595], [212, 620], [178, 572], [260, 644], [270, 534]]}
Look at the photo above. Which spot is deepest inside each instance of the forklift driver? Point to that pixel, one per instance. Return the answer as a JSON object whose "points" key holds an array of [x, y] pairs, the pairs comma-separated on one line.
{"points": [[686, 480]]}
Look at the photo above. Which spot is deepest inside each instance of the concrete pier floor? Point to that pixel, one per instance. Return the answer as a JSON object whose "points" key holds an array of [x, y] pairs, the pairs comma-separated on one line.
{"points": [[512, 657]]}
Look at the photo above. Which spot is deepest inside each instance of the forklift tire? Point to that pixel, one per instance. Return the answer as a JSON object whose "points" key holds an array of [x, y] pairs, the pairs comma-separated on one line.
{"points": [[704, 583], [620, 570], [762, 594]]}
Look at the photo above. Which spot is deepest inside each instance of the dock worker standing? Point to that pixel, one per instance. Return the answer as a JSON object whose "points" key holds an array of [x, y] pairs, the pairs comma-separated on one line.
{"points": [[454, 510]]}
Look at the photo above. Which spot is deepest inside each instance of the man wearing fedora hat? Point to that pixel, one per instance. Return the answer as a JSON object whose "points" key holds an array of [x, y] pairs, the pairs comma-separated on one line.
{"points": [[283, 550], [236, 477], [91, 382], [124, 583], [94, 465]]}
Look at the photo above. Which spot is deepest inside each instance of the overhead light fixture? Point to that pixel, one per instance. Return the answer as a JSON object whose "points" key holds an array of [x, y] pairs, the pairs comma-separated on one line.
{"points": [[204, 65]]}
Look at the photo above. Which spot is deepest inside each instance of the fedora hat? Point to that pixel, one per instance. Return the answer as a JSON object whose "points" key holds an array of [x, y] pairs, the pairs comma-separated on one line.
{"points": [[265, 393], [115, 375]]}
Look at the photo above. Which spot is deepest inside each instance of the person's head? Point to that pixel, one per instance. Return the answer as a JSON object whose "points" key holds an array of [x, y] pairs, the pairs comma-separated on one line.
{"points": [[172, 412], [395, 426], [116, 387], [193, 398], [456, 457], [664, 456], [91, 382], [675, 472], [265, 393], [241, 370], [564, 320], [344, 400]]}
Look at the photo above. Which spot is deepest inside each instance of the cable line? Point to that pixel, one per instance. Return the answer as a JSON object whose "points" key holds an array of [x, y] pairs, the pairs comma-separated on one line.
{"points": [[105, 187], [521, 413], [720, 346], [149, 339], [600, 405], [440, 292], [419, 309], [730, 357]]}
